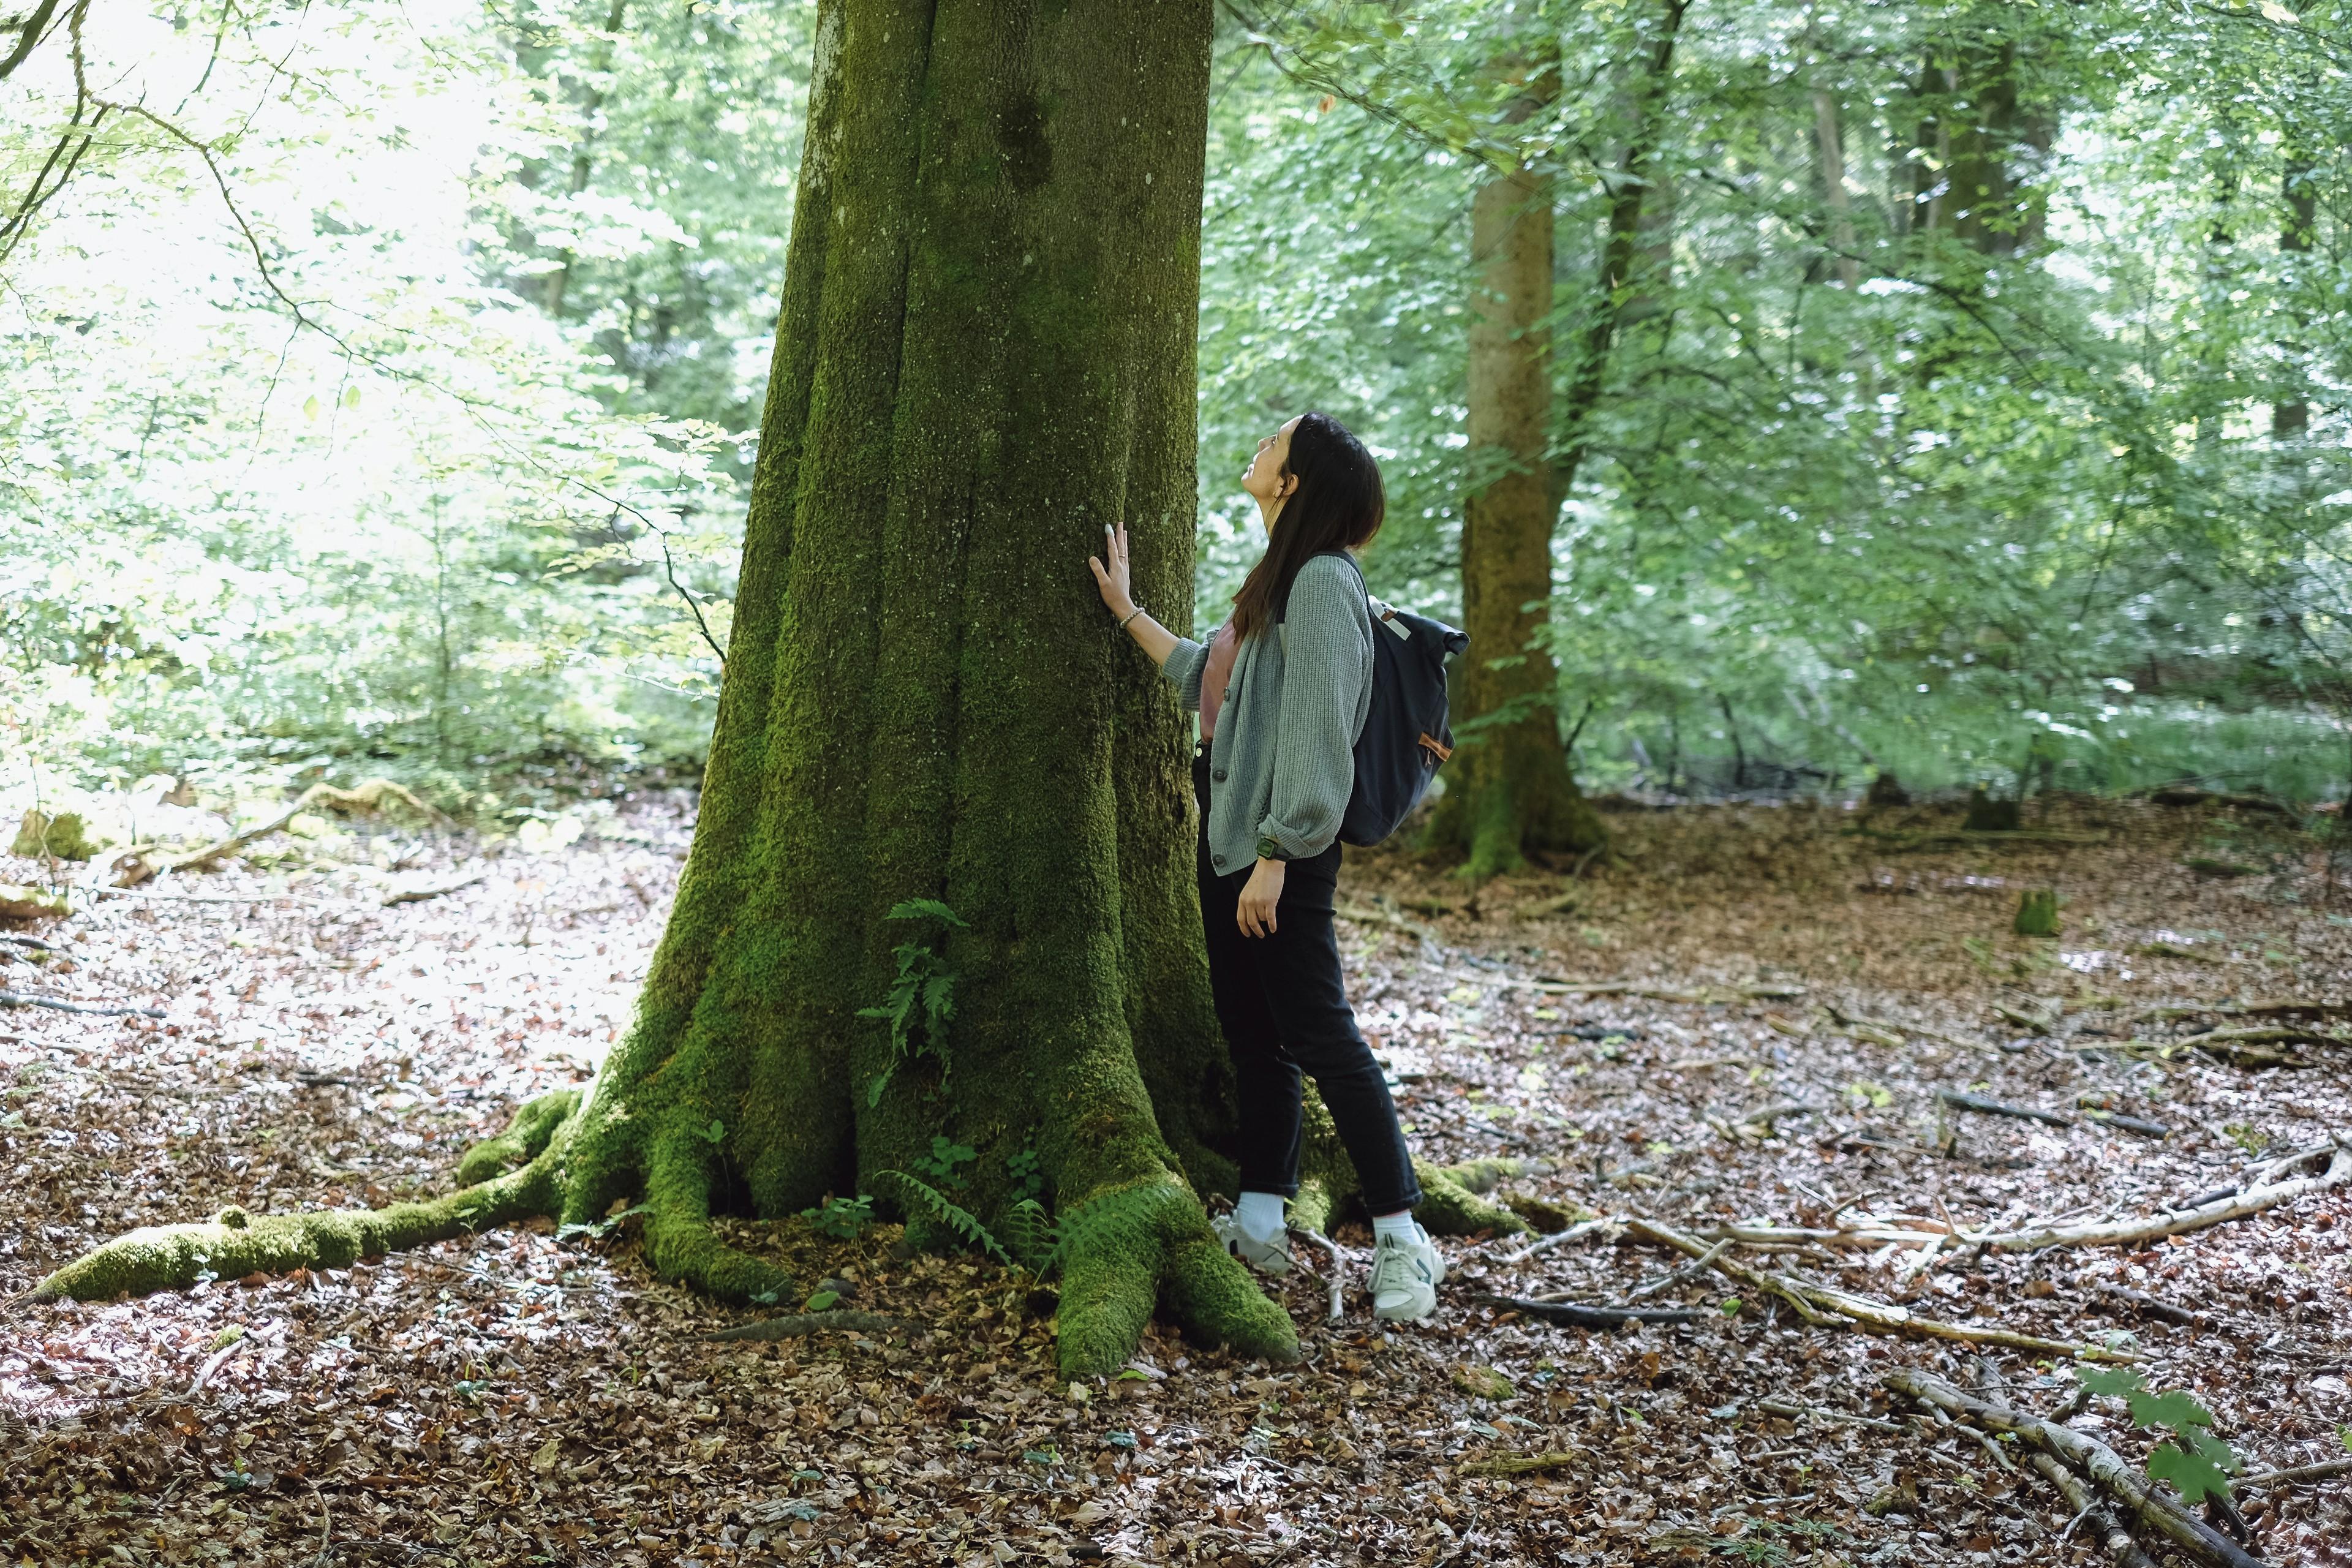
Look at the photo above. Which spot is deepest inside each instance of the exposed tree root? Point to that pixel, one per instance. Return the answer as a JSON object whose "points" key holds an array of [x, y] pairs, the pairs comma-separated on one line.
{"points": [[235, 1244], [1151, 1246], [2141, 1504], [533, 1128]]}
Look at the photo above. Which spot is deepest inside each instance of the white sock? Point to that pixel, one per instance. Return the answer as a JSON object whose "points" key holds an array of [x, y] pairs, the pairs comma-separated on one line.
{"points": [[1399, 1225], [1260, 1216]]}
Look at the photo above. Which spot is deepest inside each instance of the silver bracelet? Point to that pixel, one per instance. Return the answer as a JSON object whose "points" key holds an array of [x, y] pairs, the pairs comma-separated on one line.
{"points": [[1128, 616]]}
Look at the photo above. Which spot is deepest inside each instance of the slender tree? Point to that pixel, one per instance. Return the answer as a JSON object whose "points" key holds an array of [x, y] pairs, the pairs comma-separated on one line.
{"points": [[1512, 791], [940, 789]]}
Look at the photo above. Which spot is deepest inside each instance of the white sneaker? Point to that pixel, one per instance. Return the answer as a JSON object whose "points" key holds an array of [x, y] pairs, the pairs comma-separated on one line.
{"points": [[1266, 1256], [1406, 1272]]}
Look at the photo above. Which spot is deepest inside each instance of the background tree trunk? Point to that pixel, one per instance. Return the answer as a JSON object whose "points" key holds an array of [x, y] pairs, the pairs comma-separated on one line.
{"points": [[1511, 790]]}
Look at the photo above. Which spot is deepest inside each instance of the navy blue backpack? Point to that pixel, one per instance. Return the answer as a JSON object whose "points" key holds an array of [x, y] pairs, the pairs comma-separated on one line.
{"points": [[1406, 735]]}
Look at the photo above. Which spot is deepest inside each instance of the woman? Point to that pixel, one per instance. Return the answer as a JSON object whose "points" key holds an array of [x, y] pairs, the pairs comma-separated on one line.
{"points": [[1282, 689]]}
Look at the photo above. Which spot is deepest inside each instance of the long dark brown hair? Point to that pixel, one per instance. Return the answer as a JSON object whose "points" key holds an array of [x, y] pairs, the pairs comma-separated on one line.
{"points": [[1337, 505]]}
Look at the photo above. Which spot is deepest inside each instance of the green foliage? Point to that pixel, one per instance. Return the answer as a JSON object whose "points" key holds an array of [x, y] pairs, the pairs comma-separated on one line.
{"points": [[843, 1219], [943, 1163], [921, 999], [2046, 496], [961, 1221], [2037, 913], [2196, 1461]]}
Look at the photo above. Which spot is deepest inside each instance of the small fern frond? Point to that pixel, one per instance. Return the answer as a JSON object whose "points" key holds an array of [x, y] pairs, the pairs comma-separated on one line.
{"points": [[1097, 1218], [962, 1221]]}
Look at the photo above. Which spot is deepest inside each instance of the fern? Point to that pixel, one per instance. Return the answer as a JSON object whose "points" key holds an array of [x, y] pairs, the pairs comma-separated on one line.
{"points": [[922, 1000], [1097, 1217], [962, 1221], [1030, 1230]]}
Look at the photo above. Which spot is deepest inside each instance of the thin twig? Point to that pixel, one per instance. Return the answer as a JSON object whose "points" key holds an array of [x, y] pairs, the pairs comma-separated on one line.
{"points": [[19, 999], [1339, 1270]]}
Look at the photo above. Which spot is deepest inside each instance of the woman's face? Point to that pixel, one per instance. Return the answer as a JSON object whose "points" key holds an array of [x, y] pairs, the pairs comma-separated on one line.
{"points": [[1264, 479]]}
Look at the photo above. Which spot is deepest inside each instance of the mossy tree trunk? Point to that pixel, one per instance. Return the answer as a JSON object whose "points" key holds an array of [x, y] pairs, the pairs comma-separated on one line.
{"points": [[985, 353]]}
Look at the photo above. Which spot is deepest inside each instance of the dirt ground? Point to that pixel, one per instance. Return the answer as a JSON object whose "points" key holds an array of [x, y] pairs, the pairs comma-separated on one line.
{"points": [[1813, 979]]}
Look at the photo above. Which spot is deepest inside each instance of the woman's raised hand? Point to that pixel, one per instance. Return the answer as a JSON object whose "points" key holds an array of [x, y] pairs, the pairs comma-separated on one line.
{"points": [[1114, 580]]}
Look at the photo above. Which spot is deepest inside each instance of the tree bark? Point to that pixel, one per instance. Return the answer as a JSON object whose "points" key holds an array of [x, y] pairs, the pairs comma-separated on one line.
{"points": [[984, 354], [1512, 791]]}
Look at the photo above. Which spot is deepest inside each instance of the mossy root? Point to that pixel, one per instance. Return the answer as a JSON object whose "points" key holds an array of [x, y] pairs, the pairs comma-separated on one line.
{"points": [[1130, 1255], [235, 1244], [1449, 1208], [533, 1128]]}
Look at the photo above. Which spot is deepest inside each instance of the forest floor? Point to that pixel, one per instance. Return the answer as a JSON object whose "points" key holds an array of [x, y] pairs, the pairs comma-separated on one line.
{"points": [[527, 1396]]}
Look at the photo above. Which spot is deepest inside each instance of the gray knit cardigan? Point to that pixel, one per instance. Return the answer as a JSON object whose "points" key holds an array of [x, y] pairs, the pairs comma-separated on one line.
{"points": [[1283, 761]]}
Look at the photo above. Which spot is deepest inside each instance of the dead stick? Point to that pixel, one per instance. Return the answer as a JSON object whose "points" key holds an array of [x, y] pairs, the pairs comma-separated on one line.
{"points": [[2085, 1504], [2325, 1470], [1577, 1316], [800, 1323], [419, 895], [1338, 1271], [1959, 1100], [2142, 1503], [1825, 1306], [1520, 1464], [19, 999], [2265, 1194]]}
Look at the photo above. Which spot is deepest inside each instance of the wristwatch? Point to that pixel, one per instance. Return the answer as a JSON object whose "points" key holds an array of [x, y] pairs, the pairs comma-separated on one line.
{"points": [[1267, 849]]}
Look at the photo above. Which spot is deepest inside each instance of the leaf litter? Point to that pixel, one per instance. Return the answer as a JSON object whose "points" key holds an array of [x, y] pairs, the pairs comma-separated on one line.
{"points": [[1752, 1015]]}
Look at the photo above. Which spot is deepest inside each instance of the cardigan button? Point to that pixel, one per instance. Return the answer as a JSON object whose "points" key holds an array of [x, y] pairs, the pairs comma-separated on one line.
{"points": [[1218, 774]]}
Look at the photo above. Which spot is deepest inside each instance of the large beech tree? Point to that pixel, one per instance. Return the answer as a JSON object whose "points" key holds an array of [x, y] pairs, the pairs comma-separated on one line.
{"points": [[985, 353]]}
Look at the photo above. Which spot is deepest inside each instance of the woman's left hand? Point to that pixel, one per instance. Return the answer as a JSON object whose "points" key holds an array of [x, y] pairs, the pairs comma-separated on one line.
{"points": [[1263, 892]]}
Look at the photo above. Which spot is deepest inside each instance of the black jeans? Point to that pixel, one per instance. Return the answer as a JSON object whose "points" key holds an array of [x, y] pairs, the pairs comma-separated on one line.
{"points": [[1283, 1005]]}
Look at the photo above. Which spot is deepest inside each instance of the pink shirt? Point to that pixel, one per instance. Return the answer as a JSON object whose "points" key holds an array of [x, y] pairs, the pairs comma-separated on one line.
{"points": [[1213, 676]]}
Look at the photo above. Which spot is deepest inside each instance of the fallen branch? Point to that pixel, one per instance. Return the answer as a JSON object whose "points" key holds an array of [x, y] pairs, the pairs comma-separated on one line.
{"points": [[1362, 916], [1950, 837], [1520, 1464], [1978, 1103], [1577, 1316], [2268, 1191], [368, 796], [1825, 1306], [2149, 1306], [419, 895], [1677, 1275], [1851, 1022], [799, 1323], [2142, 1504], [2123, 1124], [2244, 1010], [2087, 1511], [2327, 1469], [1558, 1238], [1338, 1271], [2268, 1035], [18, 999], [1959, 1101], [1792, 1411]]}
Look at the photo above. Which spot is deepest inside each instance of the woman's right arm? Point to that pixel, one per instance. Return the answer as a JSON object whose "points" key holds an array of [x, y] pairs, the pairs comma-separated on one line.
{"points": [[1180, 659]]}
